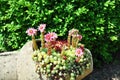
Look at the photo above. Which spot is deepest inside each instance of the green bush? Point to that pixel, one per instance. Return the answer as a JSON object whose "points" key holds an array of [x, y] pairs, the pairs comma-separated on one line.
{"points": [[97, 20]]}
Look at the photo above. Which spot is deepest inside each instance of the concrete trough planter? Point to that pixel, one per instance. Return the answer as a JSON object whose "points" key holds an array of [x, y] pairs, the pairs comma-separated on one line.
{"points": [[85, 72]]}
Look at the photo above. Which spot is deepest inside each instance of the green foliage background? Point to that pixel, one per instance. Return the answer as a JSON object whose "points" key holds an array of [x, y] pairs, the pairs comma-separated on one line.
{"points": [[97, 20]]}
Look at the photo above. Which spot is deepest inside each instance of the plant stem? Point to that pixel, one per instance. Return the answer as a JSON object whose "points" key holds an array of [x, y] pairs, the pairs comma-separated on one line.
{"points": [[73, 41], [49, 48], [35, 47], [42, 40], [76, 42], [69, 41]]}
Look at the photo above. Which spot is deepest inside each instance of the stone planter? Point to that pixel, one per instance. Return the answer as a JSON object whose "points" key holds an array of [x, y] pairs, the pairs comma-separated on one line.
{"points": [[80, 77]]}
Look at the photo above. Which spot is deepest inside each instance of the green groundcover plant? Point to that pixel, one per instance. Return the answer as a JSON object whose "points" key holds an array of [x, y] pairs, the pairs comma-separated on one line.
{"points": [[97, 20], [58, 59]]}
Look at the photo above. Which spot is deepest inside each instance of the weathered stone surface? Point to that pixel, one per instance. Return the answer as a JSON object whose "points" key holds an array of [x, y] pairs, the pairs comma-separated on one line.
{"points": [[8, 69], [25, 64], [18, 65]]}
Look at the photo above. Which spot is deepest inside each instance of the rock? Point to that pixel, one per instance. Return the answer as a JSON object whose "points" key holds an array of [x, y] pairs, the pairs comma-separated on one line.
{"points": [[25, 65], [18, 65], [8, 69]]}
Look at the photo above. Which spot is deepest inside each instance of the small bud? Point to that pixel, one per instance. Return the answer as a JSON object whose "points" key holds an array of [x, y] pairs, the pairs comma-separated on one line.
{"points": [[72, 74], [53, 71], [61, 79], [48, 70], [55, 58], [60, 74], [61, 68]]}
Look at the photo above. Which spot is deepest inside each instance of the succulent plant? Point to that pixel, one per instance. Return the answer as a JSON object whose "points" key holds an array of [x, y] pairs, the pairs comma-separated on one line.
{"points": [[64, 59]]}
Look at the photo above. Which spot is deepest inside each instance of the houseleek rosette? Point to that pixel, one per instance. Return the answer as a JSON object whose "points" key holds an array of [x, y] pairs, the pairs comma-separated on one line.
{"points": [[56, 67]]}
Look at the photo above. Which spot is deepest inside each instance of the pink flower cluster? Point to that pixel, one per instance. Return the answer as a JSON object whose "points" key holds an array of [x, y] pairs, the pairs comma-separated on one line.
{"points": [[41, 28], [31, 31], [73, 31], [50, 37], [79, 52]]}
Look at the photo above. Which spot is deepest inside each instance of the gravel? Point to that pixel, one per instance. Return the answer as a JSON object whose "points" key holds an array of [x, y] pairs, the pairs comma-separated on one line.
{"points": [[107, 72]]}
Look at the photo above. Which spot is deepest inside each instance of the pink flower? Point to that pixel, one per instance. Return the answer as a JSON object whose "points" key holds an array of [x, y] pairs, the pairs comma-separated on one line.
{"points": [[79, 52], [70, 32], [79, 37], [47, 38], [53, 35], [31, 31], [42, 27], [73, 31], [50, 37]]}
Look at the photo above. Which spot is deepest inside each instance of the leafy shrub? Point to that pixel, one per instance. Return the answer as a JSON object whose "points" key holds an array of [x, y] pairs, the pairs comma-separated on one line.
{"points": [[98, 21]]}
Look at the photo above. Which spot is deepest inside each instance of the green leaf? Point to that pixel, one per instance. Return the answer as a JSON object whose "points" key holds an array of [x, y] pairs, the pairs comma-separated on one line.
{"points": [[114, 38]]}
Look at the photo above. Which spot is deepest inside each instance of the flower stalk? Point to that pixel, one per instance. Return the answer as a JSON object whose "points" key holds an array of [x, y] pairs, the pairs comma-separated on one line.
{"points": [[35, 47], [41, 28], [32, 32], [73, 41], [68, 40], [42, 40], [74, 33], [49, 48]]}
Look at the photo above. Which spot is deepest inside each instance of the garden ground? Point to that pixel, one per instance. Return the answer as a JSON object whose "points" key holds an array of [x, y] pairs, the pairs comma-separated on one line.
{"points": [[107, 72]]}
